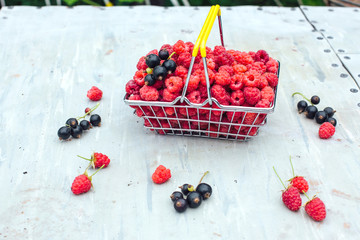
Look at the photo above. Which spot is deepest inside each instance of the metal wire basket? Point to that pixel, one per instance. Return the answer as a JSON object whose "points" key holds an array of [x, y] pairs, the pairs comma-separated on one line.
{"points": [[181, 117]]}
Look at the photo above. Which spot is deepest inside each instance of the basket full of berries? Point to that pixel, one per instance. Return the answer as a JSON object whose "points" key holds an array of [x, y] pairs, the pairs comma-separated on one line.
{"points": [[192, 90]]}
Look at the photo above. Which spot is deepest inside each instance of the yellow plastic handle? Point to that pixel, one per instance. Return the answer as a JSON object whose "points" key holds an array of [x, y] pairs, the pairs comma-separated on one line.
{"points": [[209, 24], [201, 35]]}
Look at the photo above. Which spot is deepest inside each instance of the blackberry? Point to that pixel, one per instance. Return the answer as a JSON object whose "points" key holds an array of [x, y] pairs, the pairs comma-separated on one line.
{"points": [[160, 72], [164, 54], [186, 188], [72, 122], [95, 120], [332, 121], [205, 190], [64, 133], [152, 60], [180, 205], [315, 99], [194, 199], [310, 112], [320, 116], [176, 195], [85, 125], [301, 106], [149, 80], [170, 66], [76, 132], [329, 111]]}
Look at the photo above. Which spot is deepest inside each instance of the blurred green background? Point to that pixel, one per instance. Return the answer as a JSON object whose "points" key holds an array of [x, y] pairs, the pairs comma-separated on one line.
{"points": [[286, 3]]}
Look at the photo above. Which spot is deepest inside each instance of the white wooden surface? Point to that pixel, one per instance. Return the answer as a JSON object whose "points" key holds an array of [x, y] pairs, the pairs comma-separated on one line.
{"points": [[51, 56]]}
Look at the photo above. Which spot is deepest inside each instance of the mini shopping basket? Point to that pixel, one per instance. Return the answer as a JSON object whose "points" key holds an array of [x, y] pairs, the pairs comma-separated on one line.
{"points": [[190, 122]]}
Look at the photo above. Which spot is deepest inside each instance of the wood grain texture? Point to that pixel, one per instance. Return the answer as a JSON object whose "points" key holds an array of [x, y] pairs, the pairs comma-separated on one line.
{"points": [[51, 56]]}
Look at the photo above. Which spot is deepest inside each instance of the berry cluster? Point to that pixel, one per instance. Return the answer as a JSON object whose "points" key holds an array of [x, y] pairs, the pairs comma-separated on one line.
{"points": [[82, 183], [236, 78], [324, 117], [75, 129], [194, 196], [315, 208]]}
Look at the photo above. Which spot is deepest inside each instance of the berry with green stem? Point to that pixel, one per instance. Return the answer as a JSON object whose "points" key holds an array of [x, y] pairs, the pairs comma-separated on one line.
{"points": [[329, 111], [176, 195], [64, 133], [95, 120], [72, 122], [152, 60], [83, 182], [163, 54], [332, 121], [315, 99], [310, 112], [298, 93], [97, 160], [186, 188], [301, 106], [89, 112], [298, 182], [315, 208], [180, 205]]}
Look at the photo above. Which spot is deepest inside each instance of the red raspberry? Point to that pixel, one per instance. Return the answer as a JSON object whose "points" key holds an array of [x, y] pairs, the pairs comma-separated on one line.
{"points": [[252, 95], [161, 175], [149, 93], [189, 46], [159, 84], [213, 131], [168, 96], [193, 83], [169, 111], [201, 74], [252, 78], [179, 47], [219, 92], [89, 109], [187, 111], [209, 62], [155, 51], [219, 50], [194, 97], [263, 103], [164, 124], [326, 130], [272, 79], [139, 78], [174, 84], [300, 183], [131, 87], [134, 97], [291, 198], [181, 72], [237, 81], [243, 58], [81, 184], [259, 67], [272, 66], [252, 54], [222, 78], [227, 68], [237, 98], [239, 68], [224, 59], [184, 60], [168, 47], [234, 116], [263, 82], [94, 94], [315, 208], [261, 56], [249, 118], [203, 92], [141, 65], [100, 160], [268, 93]]}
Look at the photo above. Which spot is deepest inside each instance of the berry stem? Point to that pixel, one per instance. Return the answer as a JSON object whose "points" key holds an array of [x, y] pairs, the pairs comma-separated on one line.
{"points": [[203, 176], [97, 170], [84, 158], [292, 167], [279, 177], [305, 194], [88, 113], [171, 55], [302, 96]]}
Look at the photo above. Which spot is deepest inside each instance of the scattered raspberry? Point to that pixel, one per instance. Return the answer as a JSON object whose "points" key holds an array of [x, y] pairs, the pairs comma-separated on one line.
{"points": [[94, 94], [193, 83], [100, 160], [326, 130], [300, 183], [239, 68], [139, 78], [272, 79], [174, 84], [263, 103], [237, 98], [181, 72], [184, 59], [141, 64], [131, 87], [227, 68], [291, 198], [252, 95], [237, 81], [194, 97], [179, 47], [316, 209], [222, 78], [268, 93], [81, 184], [261, 56], [149, 93], [252, 78], [161, 175], [168, 96]]}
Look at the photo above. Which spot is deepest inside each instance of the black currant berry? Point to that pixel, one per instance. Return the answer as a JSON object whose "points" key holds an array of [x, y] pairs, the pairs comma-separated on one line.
{"points": [[194, 199], [160, 72], [186, 188], [176, 195], [95, 120], [204, 189], [329, 111], [310, 112], [149, 80], [301, 106], [180, 205], [315, 99], [64, 133], [163, 54], [320, 116], [85, 125], [76, 132], [170, 66], [72, 122], [152, 60], [332, 121]]}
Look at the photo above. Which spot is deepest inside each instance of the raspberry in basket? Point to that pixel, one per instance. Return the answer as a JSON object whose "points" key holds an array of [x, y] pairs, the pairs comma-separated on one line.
{"points": [[179, 47], [263, 103], [141, 65], [272, 66], [259, 67], [227, 68], [222, 78], [149, 93], [272, 79], [168, 96], [239, 68], [132, 88], [252, 78], [181, 72], [263, 82], [194, 97], [139, 78], [174, 84], [161, 175], [94, 94], [243, 58], [189, 46], [237, 82], [237, 98], [219, 92], [268, 93], [167, 47], [201, 74], [261, 56], [252, 95], [184, 59], [193, 83]]}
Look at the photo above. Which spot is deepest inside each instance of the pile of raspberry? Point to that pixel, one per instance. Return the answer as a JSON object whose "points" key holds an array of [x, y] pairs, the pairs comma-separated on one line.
{"points": [[247, 79]]}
